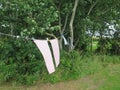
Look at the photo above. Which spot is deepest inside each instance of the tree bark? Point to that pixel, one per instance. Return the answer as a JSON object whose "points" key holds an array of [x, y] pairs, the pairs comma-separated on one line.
{"points": [[60, 31], [71, 25]]}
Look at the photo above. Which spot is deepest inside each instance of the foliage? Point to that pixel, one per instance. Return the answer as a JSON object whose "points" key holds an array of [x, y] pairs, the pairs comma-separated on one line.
{"points": [[22, 70], [20, 66], [20, 60], [73, 66], [28, 18], [115, 49], [104, 46]]}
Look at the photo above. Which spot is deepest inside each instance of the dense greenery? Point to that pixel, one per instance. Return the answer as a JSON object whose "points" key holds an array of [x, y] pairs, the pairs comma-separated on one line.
{"points": [[20, 60], [29, 71]]}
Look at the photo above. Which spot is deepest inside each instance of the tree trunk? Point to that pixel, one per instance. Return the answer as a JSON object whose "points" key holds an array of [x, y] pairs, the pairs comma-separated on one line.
{"points": [[91, 48], [71, 25], [62, 30]]}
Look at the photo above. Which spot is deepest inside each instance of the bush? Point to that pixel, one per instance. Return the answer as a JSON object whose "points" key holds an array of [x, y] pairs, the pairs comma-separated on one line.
{"points": [[104, 46], [115, 49], [20, 61], [73, 66]]}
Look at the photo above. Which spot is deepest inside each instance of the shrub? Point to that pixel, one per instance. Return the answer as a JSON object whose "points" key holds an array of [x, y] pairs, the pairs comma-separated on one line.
{"points": [[20, 61]]}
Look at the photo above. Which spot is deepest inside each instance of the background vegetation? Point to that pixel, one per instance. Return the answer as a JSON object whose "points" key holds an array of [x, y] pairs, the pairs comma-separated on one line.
{"points": [[87, 29]]}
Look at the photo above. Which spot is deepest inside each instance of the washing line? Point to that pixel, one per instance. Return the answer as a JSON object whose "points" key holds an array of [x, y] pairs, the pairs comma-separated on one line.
{"points": [[28, 38], [16, 36]]}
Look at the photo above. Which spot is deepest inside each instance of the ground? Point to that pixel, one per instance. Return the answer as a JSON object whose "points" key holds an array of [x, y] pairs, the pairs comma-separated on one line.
{"points": [[107, 79]]}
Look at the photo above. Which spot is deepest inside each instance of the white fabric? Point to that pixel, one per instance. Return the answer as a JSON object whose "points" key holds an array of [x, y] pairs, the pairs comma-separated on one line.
{"points": [[45, 50], [56, 51], [65, 41]]}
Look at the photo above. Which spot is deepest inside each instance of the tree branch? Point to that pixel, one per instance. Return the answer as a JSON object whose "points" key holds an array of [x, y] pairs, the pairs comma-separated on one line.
{"points": [[91, 8], [66, 19], [52, 35]]}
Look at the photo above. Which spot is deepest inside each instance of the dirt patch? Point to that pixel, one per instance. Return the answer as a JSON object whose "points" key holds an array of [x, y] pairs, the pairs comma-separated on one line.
{"points": [[83, 84], [86, 83]]}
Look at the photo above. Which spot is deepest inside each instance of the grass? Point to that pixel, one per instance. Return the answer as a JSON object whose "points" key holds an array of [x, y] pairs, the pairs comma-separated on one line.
{"points": [[90, 73], [106, 79], [94, 45], [112, 78]]}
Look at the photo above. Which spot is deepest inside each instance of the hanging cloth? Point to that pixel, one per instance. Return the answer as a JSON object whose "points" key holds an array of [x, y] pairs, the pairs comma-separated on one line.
{"points": [[65, 41], [56, 51], [45, 50]]}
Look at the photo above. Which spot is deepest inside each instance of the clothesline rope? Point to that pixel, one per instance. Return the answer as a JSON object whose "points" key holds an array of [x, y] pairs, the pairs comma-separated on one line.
{"points": [[28, 38], [16, 36]]}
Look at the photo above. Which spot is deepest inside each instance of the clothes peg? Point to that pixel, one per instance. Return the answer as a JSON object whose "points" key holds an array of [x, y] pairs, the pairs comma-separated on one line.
{"points": [[47, 39]]}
